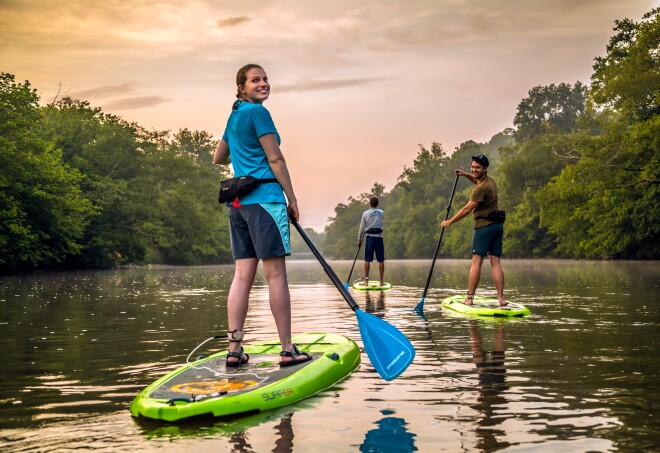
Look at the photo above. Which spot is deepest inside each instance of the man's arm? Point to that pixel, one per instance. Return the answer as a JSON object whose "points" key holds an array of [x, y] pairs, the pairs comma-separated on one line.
{"points": [[463, 212], [460, 172]]}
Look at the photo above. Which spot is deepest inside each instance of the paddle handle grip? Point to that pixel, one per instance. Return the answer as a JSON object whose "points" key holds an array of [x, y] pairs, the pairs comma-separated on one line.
{"points": [[326, 267]]}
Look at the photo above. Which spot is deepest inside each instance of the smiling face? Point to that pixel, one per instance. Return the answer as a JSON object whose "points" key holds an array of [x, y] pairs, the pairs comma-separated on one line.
{"points": [[256, 88], [478, 170]]}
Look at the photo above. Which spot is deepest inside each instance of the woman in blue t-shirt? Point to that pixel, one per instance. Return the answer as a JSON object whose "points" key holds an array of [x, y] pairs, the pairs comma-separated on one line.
{"points": [[259, 222]]}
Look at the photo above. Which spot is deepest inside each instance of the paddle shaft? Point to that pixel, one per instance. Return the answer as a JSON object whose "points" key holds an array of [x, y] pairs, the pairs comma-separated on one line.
{"points": [[353, 266], [442, 232], [326, 267]]}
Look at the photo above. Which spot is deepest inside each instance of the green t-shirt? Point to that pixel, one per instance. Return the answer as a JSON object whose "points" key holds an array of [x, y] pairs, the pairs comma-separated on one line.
{"points": [[486, 195]]}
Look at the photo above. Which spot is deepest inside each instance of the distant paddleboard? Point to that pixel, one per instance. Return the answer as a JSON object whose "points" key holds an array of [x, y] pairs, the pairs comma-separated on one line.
{"points": [[484, 306], [372, 285], [209, 387]]}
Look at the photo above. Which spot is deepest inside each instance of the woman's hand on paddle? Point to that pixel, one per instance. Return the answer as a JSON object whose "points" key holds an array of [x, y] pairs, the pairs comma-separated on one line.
{"points": [[445, 223], [292, 208]]}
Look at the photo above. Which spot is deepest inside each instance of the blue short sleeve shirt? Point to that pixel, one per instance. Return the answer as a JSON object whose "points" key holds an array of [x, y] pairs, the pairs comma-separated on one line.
{"points": [[245, 126]]}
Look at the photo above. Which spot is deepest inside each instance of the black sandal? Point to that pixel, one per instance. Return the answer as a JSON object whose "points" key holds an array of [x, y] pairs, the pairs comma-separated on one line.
{"points": [[239, 356], [296, 352], [236, 336]]}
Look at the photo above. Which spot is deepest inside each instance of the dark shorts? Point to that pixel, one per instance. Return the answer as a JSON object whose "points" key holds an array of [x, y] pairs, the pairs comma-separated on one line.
{"points": [[259, 231], [374, 244], [488, 240]]}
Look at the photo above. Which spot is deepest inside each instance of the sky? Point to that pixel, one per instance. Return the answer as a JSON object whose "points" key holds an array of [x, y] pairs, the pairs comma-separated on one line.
{"points": [[356, 86]]}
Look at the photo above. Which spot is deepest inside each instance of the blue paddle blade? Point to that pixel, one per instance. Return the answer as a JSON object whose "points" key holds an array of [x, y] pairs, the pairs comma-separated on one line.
{"points": [[420, 305], [389, 351]]}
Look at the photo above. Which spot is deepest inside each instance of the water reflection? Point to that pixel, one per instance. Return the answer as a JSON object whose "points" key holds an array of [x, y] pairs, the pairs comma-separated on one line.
{"points": [[491, 373], [375, 304], [578, 375], [283, 443], [390, 436]]}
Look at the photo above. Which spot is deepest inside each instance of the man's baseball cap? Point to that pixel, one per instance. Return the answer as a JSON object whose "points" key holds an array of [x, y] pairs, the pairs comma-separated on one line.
{"points": [[483, 160]]}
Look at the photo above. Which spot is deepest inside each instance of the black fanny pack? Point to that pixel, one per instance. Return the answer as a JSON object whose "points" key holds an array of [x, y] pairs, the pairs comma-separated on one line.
{"points": [[374, 231], [233, 188], [494, 216]]}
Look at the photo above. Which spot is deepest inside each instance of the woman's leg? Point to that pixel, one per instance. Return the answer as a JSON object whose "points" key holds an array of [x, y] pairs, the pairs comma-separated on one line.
{"points": [[239, 295], [280, 301]]}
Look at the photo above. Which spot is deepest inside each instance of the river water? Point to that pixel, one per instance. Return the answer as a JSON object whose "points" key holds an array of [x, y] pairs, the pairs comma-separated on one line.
{"points": [[579, 374]]}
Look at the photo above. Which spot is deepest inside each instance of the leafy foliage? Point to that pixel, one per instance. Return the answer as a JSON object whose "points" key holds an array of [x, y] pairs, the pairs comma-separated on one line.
{"points": [[549, 109], [627, 79], [43, 211], [88, 189], [605, 205], [580, 180]]}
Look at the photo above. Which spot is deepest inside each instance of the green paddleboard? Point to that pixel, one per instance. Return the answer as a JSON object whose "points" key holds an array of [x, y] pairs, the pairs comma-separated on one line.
{"points": [[484, 306], [373, 285], [209, 387]]}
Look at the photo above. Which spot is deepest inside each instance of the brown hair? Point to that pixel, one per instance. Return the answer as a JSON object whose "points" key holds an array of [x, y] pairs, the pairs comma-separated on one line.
{"points": [[373, 202], [241, 77]]}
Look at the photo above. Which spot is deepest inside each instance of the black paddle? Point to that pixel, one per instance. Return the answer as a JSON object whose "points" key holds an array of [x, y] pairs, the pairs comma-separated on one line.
{"points": [[389, 350], [353, 266], [420, 305]]}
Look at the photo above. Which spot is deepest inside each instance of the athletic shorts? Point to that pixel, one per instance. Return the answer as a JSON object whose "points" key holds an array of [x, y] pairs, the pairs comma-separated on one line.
{"points": [[259, 231], [374, 244], [488, 240]]}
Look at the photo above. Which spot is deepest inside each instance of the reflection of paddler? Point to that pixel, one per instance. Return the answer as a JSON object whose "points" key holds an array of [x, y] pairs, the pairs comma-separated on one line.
{"points": [[372, 308], [283, 440], [390, 436], [284, 429], [492, 383], [490, 364]]}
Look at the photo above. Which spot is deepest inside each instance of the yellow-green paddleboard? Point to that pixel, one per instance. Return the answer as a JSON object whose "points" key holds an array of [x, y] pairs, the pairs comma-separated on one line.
{"points": [[372, 285], [484, 306]]}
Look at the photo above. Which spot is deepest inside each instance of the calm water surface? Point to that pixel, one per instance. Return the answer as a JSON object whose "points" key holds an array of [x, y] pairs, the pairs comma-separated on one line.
{"points": [[580, 374]]}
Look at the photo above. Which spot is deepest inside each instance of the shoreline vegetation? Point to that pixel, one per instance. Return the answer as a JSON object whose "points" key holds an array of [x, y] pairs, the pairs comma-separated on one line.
{"points": [[579, 178]]}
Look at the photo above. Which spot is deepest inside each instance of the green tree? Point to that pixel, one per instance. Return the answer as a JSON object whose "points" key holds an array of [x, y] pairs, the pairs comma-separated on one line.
{"points": [[187, 225], [43, 212], [627, 78], [605, 205], [549, 109]]}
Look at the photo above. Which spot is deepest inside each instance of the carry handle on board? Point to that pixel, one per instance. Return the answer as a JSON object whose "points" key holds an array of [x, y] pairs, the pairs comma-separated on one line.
{"points": [[420, 305], [389, 350]]}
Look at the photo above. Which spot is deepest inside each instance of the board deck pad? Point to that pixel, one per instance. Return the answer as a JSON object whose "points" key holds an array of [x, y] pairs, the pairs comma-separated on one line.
{"points": [[208, 387], [212, 376], [373, 285], [484, 306]]}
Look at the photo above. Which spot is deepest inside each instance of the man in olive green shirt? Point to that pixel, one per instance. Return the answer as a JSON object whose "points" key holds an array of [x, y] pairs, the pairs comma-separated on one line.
{"points": [[487, 236]]}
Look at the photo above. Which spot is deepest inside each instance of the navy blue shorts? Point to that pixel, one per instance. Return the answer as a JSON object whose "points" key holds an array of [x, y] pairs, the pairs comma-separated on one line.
{"points": [[374, 244], [259, 231], [488, 240]]}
